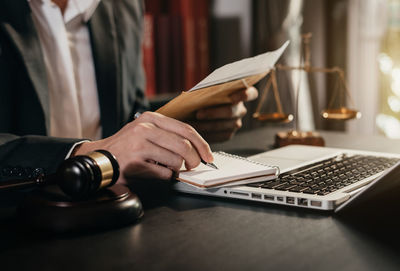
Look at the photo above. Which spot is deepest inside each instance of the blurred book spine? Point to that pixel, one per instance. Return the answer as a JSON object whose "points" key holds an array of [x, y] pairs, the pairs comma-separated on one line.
{"points": [[202, 39], [180, 54], [177, 77], [163, 56], [149, 55], [185, 10]]}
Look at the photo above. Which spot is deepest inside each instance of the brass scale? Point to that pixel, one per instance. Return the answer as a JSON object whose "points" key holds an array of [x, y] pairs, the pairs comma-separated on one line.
{"points": [[296, 136]]}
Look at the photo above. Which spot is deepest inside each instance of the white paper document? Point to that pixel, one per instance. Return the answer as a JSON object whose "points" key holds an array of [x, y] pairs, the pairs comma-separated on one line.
{"points": [[242, 68]]}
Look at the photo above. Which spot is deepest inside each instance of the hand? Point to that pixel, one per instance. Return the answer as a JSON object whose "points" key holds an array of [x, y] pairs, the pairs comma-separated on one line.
{"points": [[220, 123], [153, 146]]}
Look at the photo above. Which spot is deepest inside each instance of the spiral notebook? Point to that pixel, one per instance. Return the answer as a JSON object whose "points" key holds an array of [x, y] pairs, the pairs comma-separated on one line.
{"points": [[232, 170]]}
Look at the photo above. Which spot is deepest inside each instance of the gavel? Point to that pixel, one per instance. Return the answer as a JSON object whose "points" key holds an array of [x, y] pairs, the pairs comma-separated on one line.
{"points": [[79, 177]]}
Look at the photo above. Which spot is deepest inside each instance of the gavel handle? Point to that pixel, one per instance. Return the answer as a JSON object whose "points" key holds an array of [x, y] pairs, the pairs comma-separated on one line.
{"points": [[10, 185]]}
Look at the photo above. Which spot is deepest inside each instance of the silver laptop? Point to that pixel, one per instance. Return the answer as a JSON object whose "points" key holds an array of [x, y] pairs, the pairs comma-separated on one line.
{"points": [[312, 177]]}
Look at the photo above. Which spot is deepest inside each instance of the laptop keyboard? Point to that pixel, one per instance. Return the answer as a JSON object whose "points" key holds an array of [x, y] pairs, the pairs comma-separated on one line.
{"points": [[329, 175]]}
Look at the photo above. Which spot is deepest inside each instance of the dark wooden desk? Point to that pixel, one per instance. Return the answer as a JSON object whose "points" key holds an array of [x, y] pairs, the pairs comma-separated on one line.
{"points": [[180, 232]]}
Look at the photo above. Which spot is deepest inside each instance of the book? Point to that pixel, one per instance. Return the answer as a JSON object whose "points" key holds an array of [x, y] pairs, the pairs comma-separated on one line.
{"points": [[232, 170], [163, 54], [176, 65], [185, 9], [217, 87], [149, 55], [201, 16], [154, 7]]}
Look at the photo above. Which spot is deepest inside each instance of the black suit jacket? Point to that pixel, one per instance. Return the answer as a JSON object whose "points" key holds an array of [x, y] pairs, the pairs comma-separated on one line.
{"points": [[115, 30]]}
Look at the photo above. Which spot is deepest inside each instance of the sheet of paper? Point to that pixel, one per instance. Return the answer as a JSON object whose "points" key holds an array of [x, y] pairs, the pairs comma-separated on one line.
{"points": [[242, 68]]}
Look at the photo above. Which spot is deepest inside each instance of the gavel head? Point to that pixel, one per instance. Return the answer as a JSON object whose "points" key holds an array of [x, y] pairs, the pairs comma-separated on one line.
{"points": [[83, 175]]}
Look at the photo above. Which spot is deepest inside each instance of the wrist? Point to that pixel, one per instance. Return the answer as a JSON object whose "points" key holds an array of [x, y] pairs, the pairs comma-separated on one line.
{"points": [[84, 148]]}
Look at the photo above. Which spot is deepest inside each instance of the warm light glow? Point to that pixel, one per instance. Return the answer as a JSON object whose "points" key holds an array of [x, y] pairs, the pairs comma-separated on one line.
{"points": [[385, 63], [394, 103], [389, 125]]}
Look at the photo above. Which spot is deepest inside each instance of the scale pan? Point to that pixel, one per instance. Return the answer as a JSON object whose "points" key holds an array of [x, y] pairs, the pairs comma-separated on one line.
{"points": [[342, 113], [273, 117]]}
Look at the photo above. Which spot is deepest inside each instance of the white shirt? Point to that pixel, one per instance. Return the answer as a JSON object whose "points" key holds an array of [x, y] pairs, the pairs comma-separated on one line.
{"points": [[65, 41]]}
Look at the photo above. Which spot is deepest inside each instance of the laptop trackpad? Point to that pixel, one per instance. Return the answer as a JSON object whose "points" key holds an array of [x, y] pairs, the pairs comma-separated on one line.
{"points": [[293, 155]]}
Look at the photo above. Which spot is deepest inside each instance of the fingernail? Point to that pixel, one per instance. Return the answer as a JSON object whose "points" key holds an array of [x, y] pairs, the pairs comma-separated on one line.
{"points": [[210, 158]]}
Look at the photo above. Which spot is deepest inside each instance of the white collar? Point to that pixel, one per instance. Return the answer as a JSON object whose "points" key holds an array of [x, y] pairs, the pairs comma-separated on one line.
{"points": [[84, 8]]}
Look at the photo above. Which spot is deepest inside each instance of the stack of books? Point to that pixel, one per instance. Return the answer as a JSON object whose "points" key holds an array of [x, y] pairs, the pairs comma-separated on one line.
{"points": [[175, 45]]}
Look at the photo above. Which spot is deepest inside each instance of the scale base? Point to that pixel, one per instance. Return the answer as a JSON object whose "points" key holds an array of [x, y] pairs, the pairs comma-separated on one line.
{"points": [[298, 137]]}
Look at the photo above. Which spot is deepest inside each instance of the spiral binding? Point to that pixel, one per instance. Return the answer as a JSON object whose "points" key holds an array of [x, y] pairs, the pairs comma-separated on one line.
{"points": [[278, 170]]}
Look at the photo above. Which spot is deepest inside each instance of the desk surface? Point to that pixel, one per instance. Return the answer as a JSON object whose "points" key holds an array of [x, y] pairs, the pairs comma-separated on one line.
{"points": [[182, 232]]}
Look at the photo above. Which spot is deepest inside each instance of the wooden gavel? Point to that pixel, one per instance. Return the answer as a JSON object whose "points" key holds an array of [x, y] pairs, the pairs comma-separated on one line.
{"points": [[78, 177]]}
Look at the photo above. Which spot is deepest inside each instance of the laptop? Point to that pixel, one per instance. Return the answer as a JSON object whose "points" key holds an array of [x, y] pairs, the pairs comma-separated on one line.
{"points": [[314, 177]]}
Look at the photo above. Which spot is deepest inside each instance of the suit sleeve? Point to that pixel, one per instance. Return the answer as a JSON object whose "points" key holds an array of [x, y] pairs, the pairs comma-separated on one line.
{"points": [[30, 153]]}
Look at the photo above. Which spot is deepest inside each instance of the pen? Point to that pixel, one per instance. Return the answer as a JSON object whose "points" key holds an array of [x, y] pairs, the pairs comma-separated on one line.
{"points": [[137, 115], [209, 164]]}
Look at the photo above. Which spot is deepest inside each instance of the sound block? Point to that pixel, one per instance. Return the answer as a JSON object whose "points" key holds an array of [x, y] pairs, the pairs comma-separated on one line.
{"points": [[50, 210], [298, 137]]}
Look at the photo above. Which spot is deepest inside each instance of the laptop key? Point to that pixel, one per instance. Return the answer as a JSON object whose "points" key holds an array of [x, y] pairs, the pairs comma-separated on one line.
{"points": [[272, 185], [297, 188], [317, 188], [331, 188], [284, 187], [295, 182], [308, 191], [323, 192]]}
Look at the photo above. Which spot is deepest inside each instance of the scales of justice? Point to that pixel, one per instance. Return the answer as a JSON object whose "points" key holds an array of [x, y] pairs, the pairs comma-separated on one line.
{"points": [[339, 113]]}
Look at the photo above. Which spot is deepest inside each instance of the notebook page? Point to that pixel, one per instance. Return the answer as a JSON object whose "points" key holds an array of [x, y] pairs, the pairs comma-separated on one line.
{"points": [[230, 168]]}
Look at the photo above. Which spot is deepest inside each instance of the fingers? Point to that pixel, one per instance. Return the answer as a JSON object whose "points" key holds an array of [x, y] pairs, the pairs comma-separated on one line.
{"points": [[176, 145], [147, 170], [217, 130], [160, 172], [166, 147], [219, 123], [234, 110], [222, 112], [164, 157], [184, 131], [149, 161], [244, 95], [153, 146]]}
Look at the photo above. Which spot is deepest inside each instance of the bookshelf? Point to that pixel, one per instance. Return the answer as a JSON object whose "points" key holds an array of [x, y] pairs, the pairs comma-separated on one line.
{"points": [[184, 40], [175, 46]]}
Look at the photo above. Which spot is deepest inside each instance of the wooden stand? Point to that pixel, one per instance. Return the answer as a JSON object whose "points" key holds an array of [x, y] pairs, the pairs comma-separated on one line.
{"points": [[48, 209], [298, 137]]}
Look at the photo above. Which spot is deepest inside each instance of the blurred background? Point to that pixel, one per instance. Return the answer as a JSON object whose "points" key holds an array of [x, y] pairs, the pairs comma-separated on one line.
{"points": [[187, 39]]}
